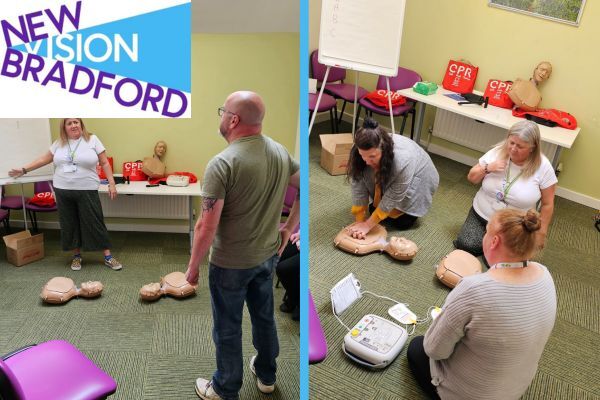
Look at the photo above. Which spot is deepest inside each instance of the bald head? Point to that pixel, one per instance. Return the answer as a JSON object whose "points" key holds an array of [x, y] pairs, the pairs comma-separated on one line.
{"points": [[248, 105]]}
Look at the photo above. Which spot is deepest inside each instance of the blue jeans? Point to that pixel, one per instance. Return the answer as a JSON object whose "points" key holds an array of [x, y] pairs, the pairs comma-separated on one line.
{"points": [[229, 288]]}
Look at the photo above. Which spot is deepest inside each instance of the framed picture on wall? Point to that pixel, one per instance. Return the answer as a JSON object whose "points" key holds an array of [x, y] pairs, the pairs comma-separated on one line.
{"points": [[565, 11]]}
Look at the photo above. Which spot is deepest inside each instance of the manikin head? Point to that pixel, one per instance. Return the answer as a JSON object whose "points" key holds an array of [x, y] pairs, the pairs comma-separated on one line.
{"points": [[160, 149], [542, 72]]}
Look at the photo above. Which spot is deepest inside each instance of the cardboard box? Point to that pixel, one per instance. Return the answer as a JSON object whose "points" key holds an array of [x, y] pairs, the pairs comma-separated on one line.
{"points": [[22, 248], [335, 152]]}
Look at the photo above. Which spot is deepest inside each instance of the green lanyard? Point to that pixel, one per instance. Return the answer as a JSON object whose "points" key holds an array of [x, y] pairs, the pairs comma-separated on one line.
{"points": [[72, 152], [508, 183]]}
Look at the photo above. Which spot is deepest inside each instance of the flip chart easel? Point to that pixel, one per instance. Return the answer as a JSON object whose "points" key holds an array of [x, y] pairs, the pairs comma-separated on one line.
{"points": [[22, 141], [363, 36]]}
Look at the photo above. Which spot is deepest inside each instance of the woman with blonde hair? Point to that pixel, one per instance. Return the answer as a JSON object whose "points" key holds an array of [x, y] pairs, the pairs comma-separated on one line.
{"points": [[75, 156], [514, 174], [488, 339]]}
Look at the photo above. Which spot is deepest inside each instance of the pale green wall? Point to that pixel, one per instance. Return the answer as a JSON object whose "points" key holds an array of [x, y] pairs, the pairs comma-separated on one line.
{"points": [[265, 63], [221, 64], [507, 45]]}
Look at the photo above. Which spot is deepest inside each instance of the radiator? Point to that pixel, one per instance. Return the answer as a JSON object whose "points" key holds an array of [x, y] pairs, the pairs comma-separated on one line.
{"points": [[143, 206], [472, 134]]}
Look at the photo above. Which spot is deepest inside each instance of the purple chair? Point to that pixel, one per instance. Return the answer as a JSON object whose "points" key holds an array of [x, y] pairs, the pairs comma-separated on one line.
{"points": [[327, 103], [4, 219], [317, 345], [342, 91], [32, 209], [11, 203], [53, 370], [406, 78]]}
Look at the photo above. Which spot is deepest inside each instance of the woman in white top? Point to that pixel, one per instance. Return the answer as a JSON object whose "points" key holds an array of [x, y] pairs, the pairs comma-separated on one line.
{"points": [[488, 339], [514, 174], [75, 156]]}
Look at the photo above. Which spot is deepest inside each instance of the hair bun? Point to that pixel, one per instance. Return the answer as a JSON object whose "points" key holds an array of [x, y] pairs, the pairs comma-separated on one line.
{"points": [[370, 123], [532, 221]]}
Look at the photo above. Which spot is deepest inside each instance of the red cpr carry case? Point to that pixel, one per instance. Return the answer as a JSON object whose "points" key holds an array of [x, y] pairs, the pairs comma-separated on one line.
{"points": [[43, 199], [380, 98], [460, 77], [497, 92], [133, 170]]}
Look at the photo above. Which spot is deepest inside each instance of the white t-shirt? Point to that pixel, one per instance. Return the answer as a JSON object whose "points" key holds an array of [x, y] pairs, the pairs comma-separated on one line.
{"points": [[522, 195], [83, 175]]}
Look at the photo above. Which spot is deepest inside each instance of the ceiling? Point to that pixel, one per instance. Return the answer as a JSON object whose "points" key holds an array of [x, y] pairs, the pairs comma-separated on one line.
{"points": [[245, 16]]}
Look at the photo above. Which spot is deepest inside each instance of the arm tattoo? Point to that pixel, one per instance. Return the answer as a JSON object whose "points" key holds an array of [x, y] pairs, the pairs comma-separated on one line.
{"points": [[208, 204]]}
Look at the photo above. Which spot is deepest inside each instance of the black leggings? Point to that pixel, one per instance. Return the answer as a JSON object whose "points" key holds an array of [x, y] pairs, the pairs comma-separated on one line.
{"points": [[471, 234], [470, 237], [403, 222], [418, 361]]}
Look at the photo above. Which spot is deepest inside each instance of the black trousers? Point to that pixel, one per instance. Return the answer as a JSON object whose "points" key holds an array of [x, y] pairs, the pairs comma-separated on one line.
{"points": [[288, 272], [81, 220], [403, 222], [418, 361]]}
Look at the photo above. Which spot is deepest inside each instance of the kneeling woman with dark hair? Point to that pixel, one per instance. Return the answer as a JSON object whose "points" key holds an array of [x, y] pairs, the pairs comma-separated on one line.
{"points": [[489, 337], [391, 177]]}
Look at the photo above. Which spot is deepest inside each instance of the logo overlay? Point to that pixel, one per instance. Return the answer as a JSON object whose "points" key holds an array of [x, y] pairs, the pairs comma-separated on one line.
{"points": [[90, 58]]}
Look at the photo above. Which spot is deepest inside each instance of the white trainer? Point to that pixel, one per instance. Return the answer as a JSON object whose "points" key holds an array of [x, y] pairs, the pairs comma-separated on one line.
{"points": [[266, 389], [205, 390]]}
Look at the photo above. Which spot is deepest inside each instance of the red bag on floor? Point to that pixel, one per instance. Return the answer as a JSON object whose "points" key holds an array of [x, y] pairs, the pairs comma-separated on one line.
{"points": [[45, 199], [497, 92], [380, 98], [133, 170], [460, 77], [100, 171]]}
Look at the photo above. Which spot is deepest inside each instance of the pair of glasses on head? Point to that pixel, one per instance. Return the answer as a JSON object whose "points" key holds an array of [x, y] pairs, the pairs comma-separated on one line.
{"points": [[222, 110]]}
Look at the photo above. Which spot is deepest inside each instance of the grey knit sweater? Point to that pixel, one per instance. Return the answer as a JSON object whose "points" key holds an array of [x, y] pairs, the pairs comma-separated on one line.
{"points": [[414, 181], [488, 340]]}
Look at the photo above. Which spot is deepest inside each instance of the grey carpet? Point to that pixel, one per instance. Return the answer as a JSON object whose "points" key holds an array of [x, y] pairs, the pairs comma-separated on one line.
{"points": [[570, 365], [153, 350]]}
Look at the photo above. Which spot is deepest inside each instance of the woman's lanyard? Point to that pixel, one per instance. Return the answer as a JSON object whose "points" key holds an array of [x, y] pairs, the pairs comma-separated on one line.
{"points": [[507, 184], [72, 152], [377, 192]]}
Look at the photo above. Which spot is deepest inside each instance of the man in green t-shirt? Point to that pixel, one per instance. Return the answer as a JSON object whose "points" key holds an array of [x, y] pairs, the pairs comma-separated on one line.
{"points": [[242, 197]]}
